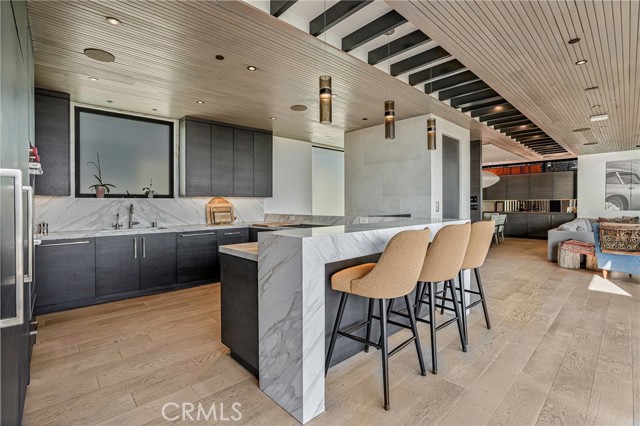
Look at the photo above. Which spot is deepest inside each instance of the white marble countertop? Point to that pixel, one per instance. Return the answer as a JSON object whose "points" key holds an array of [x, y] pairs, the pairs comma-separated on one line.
{"points": [[247, 251], [66, 235]]}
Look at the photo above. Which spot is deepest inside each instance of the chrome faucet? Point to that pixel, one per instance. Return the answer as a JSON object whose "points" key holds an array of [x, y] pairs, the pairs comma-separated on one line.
{"points": [[117, 225], [131, 222]]}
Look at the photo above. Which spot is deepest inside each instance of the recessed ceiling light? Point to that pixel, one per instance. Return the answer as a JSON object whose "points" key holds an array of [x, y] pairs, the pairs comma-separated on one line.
{"points": [[154, 109], [574, 40], [334, 95], [251, 68], [590, 88], [328, 137], [298, 107], [113, 21], [219, 57], [109, 101], [582, 129], [596, 106], [273, 118], [365, 118], [581, 62], [199, 102], [591, 143], [499, 108], [94, 78], [99, 55], [599, 117]]}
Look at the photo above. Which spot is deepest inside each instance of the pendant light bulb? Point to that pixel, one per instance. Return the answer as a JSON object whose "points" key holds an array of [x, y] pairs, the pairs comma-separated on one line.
{"points": [[431, 134], [325, 99], [389, 120]]}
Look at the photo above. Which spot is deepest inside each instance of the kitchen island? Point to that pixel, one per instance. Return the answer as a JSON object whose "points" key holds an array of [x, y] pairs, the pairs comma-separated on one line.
{"points": [[293, 297]]}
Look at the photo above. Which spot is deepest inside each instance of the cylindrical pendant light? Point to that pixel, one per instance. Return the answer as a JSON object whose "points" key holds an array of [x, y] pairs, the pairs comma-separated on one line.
{"points": [[431, 134], [325, 99], [389, 120]]}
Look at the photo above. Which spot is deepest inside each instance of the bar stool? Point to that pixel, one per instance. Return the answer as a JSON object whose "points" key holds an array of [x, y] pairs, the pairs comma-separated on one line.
{"points": [[481, 235], [441, 264], [394, 276]]}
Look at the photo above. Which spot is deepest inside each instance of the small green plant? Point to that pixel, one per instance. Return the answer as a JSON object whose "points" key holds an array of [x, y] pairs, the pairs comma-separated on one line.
{"points": [[148, 190], [99, 177]]}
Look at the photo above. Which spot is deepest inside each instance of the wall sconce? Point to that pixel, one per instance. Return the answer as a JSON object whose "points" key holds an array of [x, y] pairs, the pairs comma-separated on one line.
{"points": [[431, 134], [389, 120]]}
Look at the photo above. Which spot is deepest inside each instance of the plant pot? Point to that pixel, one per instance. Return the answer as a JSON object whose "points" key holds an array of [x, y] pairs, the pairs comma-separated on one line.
{"points": [[100, 190]]}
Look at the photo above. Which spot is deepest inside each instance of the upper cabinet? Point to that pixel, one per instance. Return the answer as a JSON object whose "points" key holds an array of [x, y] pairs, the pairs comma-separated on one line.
{"points": [[52, 139], [223, 160], [541, 186], [564, 185], [518, 187], [534, 186]]}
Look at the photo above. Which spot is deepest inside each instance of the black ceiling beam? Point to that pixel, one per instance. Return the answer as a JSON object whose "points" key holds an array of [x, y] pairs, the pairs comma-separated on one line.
{"points": [[435, 71], [373, 29], [471, 99], [494, 115], [397, 46], [464, 89], [546, 142], [520, 133], [506, 120], [497, 105], [553, 151], [491, 110], [516, 127], [534, 138], [335, 14], [278, 7], [419, 60], [510, 124], [451, 81]]}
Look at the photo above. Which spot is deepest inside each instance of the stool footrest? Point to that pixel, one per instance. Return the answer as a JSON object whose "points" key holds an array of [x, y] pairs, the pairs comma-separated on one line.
{"points": [[355, 327], [359, 339], [401, 346]]}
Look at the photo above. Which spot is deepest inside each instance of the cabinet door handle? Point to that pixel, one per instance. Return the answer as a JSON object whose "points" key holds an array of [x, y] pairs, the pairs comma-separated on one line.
{"points": [[29, 275], [197, 235], [72, 243], [144, 247], [232, 233], [135, 248]]}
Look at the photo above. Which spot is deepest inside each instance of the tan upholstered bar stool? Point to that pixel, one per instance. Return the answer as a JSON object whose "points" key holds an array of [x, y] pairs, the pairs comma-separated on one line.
{"points": [[441, 264], [479, 243], [394, 276]]}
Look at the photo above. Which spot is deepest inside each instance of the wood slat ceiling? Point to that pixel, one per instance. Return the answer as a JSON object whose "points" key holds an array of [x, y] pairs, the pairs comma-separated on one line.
{"points": [[165, 60], [360, 27], [521, 50]]}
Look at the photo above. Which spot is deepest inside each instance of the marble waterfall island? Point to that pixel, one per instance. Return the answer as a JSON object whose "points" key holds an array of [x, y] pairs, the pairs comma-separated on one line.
{"points": [[292, 273]]}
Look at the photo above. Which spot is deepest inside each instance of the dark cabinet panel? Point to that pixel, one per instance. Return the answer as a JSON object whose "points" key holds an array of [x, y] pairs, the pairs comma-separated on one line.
{"points": [[158, 260], [229, 236], [65, 270], [253, 234], [197, 158], [52, 139], [517, 225], [221, 160], [497, 191], [117, 265], [564, 185], [538, 224], [242, 163], [541, 186], [559, 219], [518, 187], [262, 165], [197, 253]]}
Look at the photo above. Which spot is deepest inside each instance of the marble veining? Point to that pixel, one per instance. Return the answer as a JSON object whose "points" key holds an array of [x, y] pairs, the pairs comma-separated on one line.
{"points": [[291, 290], [83, 214]]}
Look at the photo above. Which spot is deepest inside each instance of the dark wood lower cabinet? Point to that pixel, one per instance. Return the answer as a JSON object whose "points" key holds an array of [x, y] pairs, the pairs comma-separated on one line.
{"points": [[117, 266], [197, 256], [534, 225], [158, 260]]}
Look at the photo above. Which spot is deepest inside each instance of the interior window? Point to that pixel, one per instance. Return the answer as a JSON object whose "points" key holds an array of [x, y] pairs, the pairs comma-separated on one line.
{"points": [[612, 177], [629, 178]]}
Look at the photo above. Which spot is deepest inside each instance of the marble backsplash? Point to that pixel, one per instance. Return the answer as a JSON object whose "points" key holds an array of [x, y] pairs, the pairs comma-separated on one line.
{"points": [[83, 214]]}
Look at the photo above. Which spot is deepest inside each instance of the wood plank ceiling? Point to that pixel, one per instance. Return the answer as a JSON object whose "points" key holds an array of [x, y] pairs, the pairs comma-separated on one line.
{"points": [[410, 54], [521, 49]]}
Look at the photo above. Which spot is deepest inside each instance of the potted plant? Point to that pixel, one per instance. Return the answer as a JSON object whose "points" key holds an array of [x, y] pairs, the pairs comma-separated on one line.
{"points": [[100, 188], [148, 190]]}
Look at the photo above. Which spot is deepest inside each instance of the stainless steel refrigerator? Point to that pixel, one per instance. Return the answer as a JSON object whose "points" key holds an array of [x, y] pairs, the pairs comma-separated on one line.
{"points": [[16, 207]]}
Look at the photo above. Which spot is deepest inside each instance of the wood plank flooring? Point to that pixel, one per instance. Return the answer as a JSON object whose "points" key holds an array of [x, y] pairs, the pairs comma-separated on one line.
{"points": [[558, 353]]}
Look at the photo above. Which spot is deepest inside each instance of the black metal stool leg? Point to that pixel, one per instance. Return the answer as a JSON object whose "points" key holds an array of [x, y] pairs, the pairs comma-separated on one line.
{"points": [[366, 347], [484, 302], [459, 318], [444, 296], [432, 326], [414, 330], [385, 353], [463, 305], [334, 334], [419, 295], [389, 307]]}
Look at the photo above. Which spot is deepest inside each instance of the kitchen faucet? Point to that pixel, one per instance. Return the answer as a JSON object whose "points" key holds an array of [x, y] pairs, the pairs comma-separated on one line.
{"points": [[131, 222]]}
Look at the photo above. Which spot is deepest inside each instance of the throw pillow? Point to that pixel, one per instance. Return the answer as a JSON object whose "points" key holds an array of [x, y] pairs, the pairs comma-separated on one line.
{"points": [[623, 219], [619, 238]]}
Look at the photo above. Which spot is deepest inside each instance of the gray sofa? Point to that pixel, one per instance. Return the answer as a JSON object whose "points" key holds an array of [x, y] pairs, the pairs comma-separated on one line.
{"points": [[579, 229]]}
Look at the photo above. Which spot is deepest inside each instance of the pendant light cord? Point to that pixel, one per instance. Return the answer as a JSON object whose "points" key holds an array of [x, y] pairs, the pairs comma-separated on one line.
{"points": [[325, 36], [389, 65]]}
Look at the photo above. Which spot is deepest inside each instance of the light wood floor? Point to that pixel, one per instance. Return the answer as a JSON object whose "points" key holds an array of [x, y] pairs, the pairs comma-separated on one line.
{"points": [[558, 353]]}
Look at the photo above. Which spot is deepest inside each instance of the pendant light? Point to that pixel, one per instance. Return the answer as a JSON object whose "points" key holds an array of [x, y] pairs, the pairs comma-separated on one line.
{"points": [[389, 105], [326, 97], [431, 124]]}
